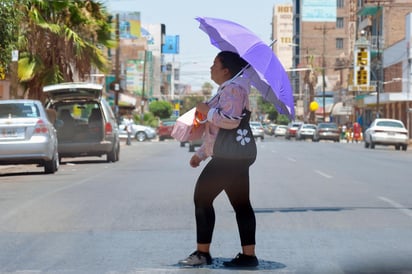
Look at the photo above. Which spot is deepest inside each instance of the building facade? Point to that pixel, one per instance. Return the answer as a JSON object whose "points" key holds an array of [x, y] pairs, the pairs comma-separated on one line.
{"points": [[387, 25]]}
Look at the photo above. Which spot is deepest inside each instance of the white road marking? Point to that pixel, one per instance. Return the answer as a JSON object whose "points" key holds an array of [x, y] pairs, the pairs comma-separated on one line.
{"points": [[323, 174], [291, 159], [398, 206]]}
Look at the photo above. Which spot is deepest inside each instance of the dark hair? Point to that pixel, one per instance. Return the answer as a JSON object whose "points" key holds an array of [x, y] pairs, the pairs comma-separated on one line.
{"points": [[232, 61]]}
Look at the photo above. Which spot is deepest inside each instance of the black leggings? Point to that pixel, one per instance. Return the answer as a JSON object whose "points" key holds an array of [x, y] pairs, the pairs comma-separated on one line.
{"points": [[232, 176]]}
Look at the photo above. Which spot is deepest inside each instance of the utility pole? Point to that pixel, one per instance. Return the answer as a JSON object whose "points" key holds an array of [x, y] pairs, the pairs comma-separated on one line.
{"points": [[13, 75], [324, 32], [379, 60], [117, 66], [142, 100]]}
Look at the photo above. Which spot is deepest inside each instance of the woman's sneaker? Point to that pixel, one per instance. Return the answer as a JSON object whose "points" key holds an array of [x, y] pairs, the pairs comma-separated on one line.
{"points": [[242, 260], [197, 258]]}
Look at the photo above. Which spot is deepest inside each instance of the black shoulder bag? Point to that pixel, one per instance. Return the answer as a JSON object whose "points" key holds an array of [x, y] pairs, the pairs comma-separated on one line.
{"points": [[237, 143]]}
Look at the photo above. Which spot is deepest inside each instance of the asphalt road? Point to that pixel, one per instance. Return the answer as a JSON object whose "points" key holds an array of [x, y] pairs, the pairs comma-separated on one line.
{"points": [[320, 208]]}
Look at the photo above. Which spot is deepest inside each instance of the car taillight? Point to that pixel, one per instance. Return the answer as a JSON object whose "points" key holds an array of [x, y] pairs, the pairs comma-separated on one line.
{"points": [[41, 128], [108, 128]]}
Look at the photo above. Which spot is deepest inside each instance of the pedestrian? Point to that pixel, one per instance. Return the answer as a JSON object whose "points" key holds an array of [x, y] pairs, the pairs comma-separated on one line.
{"points": [[229, 175], [128, 126]]}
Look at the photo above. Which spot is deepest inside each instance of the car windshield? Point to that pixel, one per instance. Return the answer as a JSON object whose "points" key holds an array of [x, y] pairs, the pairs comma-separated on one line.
{"points": [[255, 124], [328, 126], [389, 124], [19, 110], [309, 126]]}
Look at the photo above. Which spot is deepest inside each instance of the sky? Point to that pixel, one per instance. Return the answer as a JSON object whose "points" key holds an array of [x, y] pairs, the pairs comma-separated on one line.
{"points": [[196, 53]]}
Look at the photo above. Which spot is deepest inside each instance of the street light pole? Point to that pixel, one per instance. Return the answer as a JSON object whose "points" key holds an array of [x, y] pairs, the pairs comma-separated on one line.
{"points": [[379, 60]]}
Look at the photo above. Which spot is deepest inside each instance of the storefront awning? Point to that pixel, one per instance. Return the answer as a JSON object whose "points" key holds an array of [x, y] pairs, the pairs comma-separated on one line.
{"points": [[369, 10], [340, 109]]}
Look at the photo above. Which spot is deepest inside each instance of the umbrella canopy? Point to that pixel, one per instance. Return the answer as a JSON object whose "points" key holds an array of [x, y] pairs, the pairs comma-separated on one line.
{"points": [[266, 73]]}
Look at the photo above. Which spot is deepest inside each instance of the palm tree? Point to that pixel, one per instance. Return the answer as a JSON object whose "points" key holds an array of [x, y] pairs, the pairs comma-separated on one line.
{"points": [[9, 18], [62, 40]]}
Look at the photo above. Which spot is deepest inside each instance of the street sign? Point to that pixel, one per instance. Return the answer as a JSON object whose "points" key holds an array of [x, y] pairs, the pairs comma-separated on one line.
{"points": [[15, 56]]}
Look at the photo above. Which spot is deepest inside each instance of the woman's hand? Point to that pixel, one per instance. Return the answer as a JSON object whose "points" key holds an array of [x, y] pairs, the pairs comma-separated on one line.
{"points": [[195, 161], [203, 108]]}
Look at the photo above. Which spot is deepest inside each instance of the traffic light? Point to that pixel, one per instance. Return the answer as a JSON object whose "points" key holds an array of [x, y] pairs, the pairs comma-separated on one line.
{"points": [[362, 76]]}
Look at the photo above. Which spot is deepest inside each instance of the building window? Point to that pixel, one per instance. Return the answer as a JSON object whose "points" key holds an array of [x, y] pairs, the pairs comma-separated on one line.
{"points": [[340, 3], [339, 43], [339, 23]]}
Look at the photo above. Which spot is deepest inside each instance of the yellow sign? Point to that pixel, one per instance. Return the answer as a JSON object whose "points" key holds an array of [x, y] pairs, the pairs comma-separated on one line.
{"points": [[362, 76], [362, 57]]}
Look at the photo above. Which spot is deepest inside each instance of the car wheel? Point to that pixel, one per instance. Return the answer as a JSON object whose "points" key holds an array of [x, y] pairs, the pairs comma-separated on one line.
{"points": [[404, 147], [397, 147], [112, 155], [53, 165], [140, 136]]}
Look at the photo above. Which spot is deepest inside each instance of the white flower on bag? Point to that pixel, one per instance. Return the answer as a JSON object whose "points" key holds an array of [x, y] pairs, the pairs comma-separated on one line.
{"points": [[242, 136]]}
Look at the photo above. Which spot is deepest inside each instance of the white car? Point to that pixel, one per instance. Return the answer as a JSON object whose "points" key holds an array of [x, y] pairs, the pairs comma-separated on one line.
{"points": [[386, 132], [139, 132], [305, 131], [280, 130], [257, 130]]}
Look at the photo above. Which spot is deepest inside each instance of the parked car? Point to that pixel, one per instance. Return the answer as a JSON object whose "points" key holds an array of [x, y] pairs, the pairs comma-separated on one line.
{"points": [[305, 131], [269, 129], [164, 130], [27, 136], [386, 132], [257, 130], [139, 132], [326, 131], [292, 129], [280, 130], [89, 127]]}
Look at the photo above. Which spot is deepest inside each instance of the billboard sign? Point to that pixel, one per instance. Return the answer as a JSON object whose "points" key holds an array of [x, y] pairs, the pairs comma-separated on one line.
{"points": [[318, 11]]}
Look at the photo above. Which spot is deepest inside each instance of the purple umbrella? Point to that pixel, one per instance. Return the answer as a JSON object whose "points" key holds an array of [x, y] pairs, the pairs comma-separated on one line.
{"points": [[266, 73]]}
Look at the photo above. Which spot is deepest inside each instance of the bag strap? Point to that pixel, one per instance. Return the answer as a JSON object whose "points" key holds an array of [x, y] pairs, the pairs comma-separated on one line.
{"points": [[241, 116]]}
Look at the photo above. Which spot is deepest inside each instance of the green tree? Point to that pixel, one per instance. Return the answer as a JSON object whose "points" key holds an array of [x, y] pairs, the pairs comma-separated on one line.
{"points": [[189, 102], [282, 119], [10, 16], [267, 108], [207, 89], [60, 41], [161, 109]]}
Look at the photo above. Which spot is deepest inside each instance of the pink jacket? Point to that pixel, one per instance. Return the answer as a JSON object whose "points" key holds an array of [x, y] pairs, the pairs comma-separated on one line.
{"points": [[231, 98]]}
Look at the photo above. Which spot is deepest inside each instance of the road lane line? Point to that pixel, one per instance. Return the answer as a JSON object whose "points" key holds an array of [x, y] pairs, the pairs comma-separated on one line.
{"points": [[291, 159], [323, 174], [398, 206]]}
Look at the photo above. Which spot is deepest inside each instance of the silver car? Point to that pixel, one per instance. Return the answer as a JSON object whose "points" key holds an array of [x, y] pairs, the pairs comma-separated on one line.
{"points": [[139, 132], [386, 132], [257, 130], [305, 131], [27, 136], [87, 125]]}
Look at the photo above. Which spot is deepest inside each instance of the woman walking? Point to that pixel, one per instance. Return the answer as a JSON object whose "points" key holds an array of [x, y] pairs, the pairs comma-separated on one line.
{"points": [[229, 175]]}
